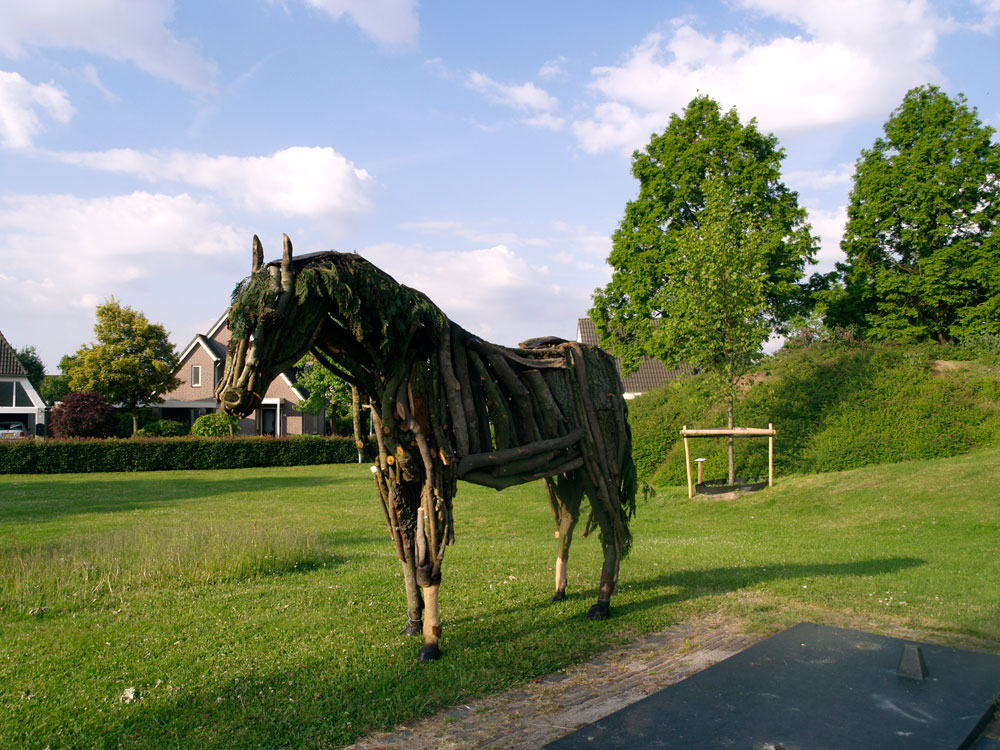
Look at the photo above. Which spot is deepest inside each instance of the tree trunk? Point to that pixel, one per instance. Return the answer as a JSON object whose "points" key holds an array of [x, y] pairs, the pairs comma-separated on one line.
{"points": [[135, 422], [732, 455], [356, 416]]}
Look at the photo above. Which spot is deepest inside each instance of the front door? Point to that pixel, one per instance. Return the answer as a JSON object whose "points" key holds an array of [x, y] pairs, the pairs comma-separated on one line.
{"points": [[268, 418]]}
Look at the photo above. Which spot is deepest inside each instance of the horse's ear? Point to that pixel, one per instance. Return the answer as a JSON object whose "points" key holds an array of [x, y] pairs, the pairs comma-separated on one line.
{"points": [[258, 255], [287, 272]]}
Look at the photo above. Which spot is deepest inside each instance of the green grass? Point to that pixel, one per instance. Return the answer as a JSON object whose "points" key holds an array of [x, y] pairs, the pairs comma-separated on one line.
{"points": [[260, 608]]}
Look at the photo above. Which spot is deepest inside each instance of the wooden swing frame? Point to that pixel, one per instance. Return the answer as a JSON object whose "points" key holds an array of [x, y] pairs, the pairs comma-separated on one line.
{"points": [[736, 432]]}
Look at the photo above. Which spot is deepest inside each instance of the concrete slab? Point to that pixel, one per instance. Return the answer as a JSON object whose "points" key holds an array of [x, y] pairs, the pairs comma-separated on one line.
{"points": [[813, 687]]}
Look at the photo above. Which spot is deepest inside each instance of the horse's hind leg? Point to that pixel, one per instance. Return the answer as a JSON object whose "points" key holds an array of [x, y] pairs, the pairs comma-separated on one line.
{"points": [[612, 558], [565, 494]]}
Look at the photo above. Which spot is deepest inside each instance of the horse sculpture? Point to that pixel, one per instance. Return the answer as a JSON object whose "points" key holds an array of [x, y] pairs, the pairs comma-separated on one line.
{"points": [[445, 405]]}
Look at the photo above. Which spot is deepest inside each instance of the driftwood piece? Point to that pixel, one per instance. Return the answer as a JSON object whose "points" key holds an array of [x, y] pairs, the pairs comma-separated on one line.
{"points": [[501, 457]]}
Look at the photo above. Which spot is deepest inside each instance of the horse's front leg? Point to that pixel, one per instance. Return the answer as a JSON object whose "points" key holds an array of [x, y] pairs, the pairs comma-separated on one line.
{"points": [[431, 650], [414, 601]]}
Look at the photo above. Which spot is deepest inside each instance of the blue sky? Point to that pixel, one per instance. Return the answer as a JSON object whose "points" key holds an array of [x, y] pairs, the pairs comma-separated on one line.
{"points": [[476, 151]]}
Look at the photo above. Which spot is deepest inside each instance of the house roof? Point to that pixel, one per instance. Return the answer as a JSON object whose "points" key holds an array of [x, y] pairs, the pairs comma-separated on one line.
{"points": [[651, 373], [9, 363], [214, 349]]}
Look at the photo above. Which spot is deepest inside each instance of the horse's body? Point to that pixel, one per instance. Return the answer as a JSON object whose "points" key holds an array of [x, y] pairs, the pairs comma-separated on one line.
{"points": [[446, 405]]}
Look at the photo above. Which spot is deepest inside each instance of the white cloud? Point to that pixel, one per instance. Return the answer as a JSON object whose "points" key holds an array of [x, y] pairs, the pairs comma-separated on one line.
{"points": [[526, 96], [829, 227], [63, 255], [313, 182], [553, 68], [126, 30], [388, 22], [991, 15], [20, 105], [477, 235], [546, 121], [492, 291], [91, 76], [840, 177], [853, 61]]}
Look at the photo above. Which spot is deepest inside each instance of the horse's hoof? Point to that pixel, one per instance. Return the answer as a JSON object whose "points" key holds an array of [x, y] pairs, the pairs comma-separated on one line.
{"points": [[558, 596], [429, 653], [599, 611], [413, 627]]}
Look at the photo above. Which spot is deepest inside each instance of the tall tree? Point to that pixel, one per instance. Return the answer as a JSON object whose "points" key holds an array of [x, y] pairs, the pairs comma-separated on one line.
{"points": [[717, 281], [672, 171], [130, 364], [32, 363], [923, 257]]}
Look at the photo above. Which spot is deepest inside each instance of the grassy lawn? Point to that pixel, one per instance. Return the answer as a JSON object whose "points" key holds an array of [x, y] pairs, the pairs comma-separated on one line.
{"points": [[260, 608]]}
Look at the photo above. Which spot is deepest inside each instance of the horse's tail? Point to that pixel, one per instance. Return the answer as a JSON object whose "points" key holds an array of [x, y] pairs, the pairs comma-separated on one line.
{"points": [[629, 485]]}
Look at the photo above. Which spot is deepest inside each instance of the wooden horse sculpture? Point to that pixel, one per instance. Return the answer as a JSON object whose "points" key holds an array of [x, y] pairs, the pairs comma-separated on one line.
{"points": [[446, 405]]}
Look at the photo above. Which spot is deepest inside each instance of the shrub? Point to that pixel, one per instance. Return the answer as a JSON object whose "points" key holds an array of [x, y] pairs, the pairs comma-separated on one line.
{"points": [[154, 454], [83, 414], [215, 424], [162, 428]]}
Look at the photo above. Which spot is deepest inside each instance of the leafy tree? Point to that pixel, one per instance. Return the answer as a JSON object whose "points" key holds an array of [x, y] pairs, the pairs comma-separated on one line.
{"points": [[131, 363], [83, 414], [216, 424], [719, 320], [630, 311], [30, 361], [921, 246], [54, 387], [326, 391]]}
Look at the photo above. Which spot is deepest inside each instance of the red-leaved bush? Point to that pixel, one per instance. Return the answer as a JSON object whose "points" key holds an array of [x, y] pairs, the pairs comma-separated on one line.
{"points": [[83, 414]]}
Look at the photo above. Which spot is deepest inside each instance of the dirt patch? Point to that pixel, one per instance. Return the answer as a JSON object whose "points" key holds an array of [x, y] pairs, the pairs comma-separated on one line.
{"points": [[942, 366], [555, 705]]}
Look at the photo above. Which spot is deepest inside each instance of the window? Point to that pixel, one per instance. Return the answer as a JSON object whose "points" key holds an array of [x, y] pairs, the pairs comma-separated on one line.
{"points": [[196, 375]]}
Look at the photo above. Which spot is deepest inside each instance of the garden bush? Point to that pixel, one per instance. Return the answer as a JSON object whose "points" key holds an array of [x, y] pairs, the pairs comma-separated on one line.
{"points": [[83, 414], [162, 428], [153, 454], [215, 424]]}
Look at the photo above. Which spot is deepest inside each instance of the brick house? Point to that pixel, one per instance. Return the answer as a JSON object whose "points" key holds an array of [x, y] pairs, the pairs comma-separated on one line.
{"points": [[19, 401], [201, 367], [651, 373]]}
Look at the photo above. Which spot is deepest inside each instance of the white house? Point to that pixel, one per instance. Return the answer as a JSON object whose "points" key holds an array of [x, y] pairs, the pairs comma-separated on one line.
{"points": [[19, 401]]}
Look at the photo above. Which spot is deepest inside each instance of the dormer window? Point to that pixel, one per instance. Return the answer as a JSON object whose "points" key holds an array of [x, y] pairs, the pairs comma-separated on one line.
{"points": [[195, 376]]}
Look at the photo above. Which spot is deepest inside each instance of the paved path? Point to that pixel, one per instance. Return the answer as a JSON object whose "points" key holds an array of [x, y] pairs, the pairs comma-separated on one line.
{"points": [[553, 706]]}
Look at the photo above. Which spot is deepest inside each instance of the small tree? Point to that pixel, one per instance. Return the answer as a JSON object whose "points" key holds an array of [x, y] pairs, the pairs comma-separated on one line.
{"points": [[131, 363], [32, 363], [83, 414], [672, 170], [716, 284], [326, 392]]}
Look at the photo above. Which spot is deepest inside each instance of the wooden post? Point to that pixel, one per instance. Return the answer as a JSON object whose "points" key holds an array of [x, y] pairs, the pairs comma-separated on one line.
{"points": [[770, 456], [687, 464]]}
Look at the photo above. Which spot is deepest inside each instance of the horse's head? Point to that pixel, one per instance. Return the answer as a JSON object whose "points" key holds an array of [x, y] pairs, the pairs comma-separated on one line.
{"points": [[271, 330]]}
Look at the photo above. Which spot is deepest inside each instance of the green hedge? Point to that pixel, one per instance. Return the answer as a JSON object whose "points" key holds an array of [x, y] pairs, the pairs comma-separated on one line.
{"points": [[151, 454]]}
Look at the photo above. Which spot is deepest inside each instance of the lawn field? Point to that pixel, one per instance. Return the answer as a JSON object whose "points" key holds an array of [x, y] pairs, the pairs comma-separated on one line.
{"points": [[260, 608]]}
